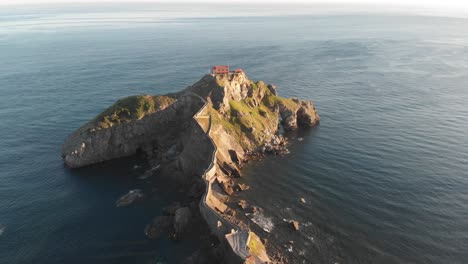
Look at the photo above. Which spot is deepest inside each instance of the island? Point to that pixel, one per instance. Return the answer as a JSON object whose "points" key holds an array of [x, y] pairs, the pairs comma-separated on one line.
{"points": [[199, 136]]}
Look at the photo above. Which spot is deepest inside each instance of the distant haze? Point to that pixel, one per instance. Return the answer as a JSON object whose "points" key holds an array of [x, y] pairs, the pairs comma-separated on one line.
{"points": [[449, 4], [454, 8]]}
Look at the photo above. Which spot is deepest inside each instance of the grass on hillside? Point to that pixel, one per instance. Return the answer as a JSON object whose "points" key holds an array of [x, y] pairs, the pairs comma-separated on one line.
{"points": [[132, 108]]}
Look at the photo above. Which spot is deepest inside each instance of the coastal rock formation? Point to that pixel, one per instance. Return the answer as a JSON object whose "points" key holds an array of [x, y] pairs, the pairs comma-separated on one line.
{"points": [[207, 130], [129, 198], [159, 225], [181, 220], [123, 129]]}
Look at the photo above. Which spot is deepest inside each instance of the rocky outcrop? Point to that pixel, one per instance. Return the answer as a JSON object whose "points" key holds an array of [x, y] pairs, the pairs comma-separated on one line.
{"points": [[181, 220], [295, 225], [129, 198], [159, 225], [211, 128], [300, 113], [92, 144]]}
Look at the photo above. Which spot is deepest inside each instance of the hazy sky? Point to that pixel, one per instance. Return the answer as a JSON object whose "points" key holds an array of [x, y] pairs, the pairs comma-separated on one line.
{"points": [[424, 3], [446, 5]]}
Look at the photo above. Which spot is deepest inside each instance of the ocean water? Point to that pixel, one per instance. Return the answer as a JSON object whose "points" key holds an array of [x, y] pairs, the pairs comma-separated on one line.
{"points": [[384, 175]]}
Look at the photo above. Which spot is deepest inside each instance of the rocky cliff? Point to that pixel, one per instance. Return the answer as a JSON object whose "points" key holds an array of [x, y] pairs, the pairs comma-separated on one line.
{"points": [[245, 117], [227, 115]]}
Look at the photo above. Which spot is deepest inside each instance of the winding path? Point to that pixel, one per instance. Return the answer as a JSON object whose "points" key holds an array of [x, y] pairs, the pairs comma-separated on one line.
{"points": [[234, 235]]}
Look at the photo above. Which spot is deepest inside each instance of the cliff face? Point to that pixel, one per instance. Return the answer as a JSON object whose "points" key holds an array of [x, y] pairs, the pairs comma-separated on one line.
{"points": [[93, 143]]}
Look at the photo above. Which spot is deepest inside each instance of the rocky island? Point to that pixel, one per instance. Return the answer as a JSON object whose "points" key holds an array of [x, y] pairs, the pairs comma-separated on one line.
{"points": [[199, 137]]}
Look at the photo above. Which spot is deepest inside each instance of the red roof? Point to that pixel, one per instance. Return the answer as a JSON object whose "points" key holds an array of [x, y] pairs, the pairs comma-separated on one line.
{"points": [[220, 69]]}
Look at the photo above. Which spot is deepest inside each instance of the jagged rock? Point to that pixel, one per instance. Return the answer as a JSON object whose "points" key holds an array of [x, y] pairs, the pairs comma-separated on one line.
{"points": [[230, 212], [256, 209], [288, 117], [148, 173], [242, 187], [243, 204], [229, 169], [272, 89], [181, 220], [306, 114], [172, 208], [227, 187], [302, 113], [157, 226], [295, 225], [129, 198]]}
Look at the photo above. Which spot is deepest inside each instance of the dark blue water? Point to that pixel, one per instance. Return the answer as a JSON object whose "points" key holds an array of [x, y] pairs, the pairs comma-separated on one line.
{"points": [[384, 175]]}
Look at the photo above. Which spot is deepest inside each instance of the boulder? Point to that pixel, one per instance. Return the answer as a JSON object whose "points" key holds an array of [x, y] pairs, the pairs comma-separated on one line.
{"points": [[172, 208], [182, 219], [306, 114], [129, 198], [295, 225], [242, 187], [243, 204], [159, 225]]}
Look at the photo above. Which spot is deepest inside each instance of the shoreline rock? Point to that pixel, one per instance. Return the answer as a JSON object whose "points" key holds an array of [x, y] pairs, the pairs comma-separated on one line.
{"points": [[129, 198]]}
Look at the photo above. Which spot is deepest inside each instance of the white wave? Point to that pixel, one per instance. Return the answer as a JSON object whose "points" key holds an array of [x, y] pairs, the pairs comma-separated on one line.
{"points": [[266, 223], [2, 229]]}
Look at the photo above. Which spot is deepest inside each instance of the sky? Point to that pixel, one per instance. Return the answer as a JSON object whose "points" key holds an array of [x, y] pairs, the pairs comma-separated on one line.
{"points": [[436, 5], [423, 3]]}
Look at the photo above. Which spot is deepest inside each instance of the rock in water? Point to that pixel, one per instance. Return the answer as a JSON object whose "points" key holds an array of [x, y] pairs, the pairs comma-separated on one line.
{"points": [[181, 220], [172, 208], [295, 225], [157, 226], [242, 187], [243, 204], [129, 198]]}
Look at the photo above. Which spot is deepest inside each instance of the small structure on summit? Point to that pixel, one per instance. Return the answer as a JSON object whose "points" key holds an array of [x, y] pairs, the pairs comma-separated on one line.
{"points": [[224, 69], [220, 69]]}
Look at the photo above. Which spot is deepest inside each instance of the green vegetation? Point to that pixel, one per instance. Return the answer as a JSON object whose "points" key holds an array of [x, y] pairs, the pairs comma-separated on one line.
{"points": [[132, 108], [246, 123], [248, 119], [274, 100]]}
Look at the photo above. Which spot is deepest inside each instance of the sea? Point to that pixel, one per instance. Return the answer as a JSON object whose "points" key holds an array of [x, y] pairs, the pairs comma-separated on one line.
{"points": [[384, 177]]}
